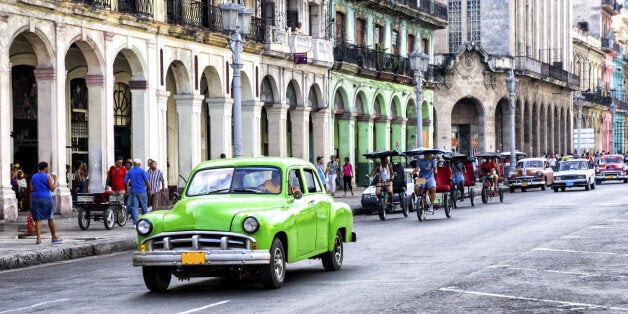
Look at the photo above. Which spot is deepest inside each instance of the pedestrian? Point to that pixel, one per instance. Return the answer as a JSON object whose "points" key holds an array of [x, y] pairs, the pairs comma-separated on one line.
{"points": [[157, 185], [321, 170], [148, 162], [81, 178], [115, 177], [43, 207], [347, 176], [332, 173], [552, 162], [136, 182], [128, 164]]}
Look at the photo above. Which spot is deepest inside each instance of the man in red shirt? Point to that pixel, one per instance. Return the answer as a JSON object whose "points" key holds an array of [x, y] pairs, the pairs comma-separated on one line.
{"points": [[489, 169], [115, 177]]}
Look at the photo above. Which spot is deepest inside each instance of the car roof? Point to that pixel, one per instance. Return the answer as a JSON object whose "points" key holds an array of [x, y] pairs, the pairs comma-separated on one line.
{"points": [[281, 162], [613, 155], [575, 159], [536, 159]]}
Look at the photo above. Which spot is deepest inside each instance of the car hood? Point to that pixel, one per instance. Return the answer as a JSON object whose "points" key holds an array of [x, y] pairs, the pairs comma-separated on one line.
{"points": [[529, 172], [571, 172], [611, 166], [214, 212]]}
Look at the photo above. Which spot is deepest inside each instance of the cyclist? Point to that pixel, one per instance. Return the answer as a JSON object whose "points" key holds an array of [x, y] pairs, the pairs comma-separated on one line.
{"points": [[426, 168], [489, 171], [386, 175], [458, 171]]}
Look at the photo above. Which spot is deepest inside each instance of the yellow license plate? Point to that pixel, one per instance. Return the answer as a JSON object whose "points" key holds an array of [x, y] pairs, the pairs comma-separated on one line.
{"points": [[193, 258], [524, 183], [610, 177]]}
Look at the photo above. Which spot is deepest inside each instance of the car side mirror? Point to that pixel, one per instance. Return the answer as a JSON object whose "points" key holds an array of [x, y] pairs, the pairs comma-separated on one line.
{"points": [[297, 194]]}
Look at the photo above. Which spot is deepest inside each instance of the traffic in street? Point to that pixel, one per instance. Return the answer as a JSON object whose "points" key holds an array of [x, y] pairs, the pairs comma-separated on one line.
{"points": [[540, 251]]}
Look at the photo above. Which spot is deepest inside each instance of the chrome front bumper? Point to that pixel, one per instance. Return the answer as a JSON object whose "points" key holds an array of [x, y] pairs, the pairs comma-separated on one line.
{"points": [[212, 257], [525, 183]]}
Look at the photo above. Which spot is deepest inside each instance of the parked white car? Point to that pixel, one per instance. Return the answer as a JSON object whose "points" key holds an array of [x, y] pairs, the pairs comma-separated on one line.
{"points": [[574, 173]]}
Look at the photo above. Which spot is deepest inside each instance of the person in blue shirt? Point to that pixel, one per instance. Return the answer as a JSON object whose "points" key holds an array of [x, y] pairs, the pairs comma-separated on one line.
{"points": [[426, 168], [320, 167], [42, 205], [458, 171], [136, 182]]}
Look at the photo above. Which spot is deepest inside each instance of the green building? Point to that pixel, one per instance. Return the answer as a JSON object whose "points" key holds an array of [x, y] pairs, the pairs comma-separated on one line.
{"points": [[371, 84]]}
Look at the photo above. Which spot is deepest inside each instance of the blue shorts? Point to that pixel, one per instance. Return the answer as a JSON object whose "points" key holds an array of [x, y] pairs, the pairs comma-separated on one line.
{"points": [[458, 179], [43, 208], [429, 182]]}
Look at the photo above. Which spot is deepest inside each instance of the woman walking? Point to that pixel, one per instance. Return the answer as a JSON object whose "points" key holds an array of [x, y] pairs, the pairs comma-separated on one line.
{"points": [[347, 175], [332, 173], [43, 207]]}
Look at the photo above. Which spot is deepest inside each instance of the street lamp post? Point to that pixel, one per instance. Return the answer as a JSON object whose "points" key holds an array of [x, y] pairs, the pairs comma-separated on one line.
{"points": [[236, 21], [511, 85], [578, 99], [613, 108], [418, 63]]}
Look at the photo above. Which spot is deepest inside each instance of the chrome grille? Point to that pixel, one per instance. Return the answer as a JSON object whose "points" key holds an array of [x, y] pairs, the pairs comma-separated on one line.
{"points": [[198, 240], [571, 177], [611, 173]]}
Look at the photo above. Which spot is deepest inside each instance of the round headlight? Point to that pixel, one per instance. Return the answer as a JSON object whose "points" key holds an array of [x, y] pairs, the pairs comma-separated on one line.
{"points": [[250, 224], [539, 173], [144, 227]]}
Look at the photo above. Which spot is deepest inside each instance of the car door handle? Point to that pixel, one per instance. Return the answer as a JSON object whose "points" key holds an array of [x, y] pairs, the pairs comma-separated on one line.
{"points": [[311, 202]]}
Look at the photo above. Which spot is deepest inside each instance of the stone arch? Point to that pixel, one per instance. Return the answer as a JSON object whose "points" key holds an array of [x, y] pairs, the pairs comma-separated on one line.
{"points": [[519, 125], [341, 101], [527, 134], [379, 107], [136, 62], [41, 46], [360, 105], [293, 91], [467, 125], [502, 125], [181, 77], [212, 82], [558, 134], [411, 123], [315, 98], [395, 108], [534, 127], [269, 91], [93, 56], [247, 91]]}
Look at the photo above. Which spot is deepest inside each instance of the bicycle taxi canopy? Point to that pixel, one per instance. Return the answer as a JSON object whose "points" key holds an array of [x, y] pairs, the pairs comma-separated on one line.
{"points": [[382, 153], [422, 151]]}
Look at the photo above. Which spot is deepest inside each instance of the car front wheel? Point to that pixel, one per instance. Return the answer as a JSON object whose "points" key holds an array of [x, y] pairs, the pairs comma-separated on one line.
{"points": [[274, 273], [156, 279], [332, 260]]}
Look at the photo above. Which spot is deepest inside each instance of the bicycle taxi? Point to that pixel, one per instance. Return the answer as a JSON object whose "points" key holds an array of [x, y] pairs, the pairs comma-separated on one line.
{"points": [[488, 192], [398, 203], [458, 188], [443, 178]]}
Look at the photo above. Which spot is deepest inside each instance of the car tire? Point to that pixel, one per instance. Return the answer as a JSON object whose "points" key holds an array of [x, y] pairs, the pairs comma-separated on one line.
{"points": [[156, 278], [592, 185], [109, 218], [544, 185], [598, 181], [625, 180], [523, 189], [332, 260], [273, 274], [512, 189], [562, 189], [587, 187], [555, 189], [83, 218]]}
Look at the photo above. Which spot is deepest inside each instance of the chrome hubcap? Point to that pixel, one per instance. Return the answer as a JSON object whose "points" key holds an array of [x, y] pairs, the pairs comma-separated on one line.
{"points": [[338, 251], [278, 258]]}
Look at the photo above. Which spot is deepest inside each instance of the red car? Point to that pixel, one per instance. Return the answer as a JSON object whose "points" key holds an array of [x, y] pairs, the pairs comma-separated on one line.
{"points": [[611, 167]]}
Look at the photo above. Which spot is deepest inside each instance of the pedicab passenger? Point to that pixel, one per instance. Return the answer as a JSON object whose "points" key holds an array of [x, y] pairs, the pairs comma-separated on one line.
{"points": [[458, 171], [426, 168], [386, 175]]}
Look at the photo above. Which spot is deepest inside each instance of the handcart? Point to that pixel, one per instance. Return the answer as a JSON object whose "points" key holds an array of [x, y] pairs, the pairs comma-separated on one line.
{"points": [[105, 207]]}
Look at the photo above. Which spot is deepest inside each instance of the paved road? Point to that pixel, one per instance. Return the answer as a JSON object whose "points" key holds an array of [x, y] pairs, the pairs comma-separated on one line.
{"points": [[538, 251]]}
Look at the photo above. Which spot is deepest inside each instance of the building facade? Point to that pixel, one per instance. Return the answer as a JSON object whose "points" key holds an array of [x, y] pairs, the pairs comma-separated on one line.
{"points": [[484, 40], [83, 81], [371, 84]]}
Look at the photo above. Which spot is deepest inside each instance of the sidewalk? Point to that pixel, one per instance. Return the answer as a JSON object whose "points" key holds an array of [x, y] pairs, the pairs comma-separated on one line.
{"points": [[17, 249]]}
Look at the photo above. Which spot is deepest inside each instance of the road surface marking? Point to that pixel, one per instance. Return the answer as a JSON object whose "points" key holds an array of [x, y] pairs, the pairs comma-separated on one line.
{"points": [[513, 297], [575, 251], [576, 237], [608, 227], [618, 220], [557, 271], [35, 305], [204, 307]]}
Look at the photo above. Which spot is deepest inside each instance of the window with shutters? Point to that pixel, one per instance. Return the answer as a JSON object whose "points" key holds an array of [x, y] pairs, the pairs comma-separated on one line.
{"points": [[360, 30], [411, 43], [268, 11], [340, 27], [395, 42], [378, 37]]}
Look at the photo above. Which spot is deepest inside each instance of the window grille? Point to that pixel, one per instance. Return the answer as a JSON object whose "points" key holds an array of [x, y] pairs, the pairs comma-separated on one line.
{"points": [[473, 18], [455, 25]]}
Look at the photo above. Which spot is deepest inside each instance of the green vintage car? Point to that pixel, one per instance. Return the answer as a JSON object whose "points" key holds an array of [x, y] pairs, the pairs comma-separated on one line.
{"points": [[244, 217]]}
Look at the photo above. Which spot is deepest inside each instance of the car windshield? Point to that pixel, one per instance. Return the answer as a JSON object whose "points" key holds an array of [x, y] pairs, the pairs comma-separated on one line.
{"points": [[249, 179], [573, 165], [533, 164], [612, 160]]}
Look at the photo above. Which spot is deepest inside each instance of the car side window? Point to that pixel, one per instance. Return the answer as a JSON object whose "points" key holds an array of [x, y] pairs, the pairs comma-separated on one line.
{"points": [[294, 180], [310, 180]]}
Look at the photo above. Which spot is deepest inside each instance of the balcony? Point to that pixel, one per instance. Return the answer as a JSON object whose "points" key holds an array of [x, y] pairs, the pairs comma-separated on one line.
{"points": [[597, 98], [609, 45], [372, 62], [280, 42], [544, 70], [137, 8], [197, 15], [612, 7], [99, 4], [429, 13]]}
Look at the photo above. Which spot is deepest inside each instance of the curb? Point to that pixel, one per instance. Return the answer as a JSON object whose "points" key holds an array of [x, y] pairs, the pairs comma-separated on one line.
{"points": [[66, 252]]}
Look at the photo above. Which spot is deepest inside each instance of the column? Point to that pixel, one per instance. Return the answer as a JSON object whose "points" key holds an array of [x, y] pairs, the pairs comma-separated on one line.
{"points": [[350, 22], [300, 119], [8, 202], [140, 130], [399, 134], [51, 135], [322, 138], [161, 128], [189, 112], [97, 132], [365, 145], [444, 128], [220, 113], [251, 136], [277, 116], [382, 128]]}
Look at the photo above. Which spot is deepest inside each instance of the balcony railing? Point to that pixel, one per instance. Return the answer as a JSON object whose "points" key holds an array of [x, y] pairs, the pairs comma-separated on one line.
{"points": [[138, 8], [196, 14], [612, 5], [523, 63], [100, 4], [372, 59], [431, 7], [609, 44], [597, 98]]}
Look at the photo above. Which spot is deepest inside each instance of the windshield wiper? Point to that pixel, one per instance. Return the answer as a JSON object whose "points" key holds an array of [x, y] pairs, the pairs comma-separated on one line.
{"points": [[217, 191], [247, 191]]}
